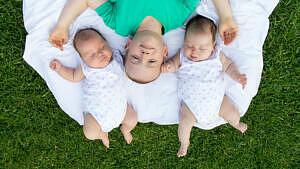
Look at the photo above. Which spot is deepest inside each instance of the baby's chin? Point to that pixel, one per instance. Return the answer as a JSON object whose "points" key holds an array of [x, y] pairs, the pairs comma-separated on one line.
{"points": [[99, 65], [141, 76]]}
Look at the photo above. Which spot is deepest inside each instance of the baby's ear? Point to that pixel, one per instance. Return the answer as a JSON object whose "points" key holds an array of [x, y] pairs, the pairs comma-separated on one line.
{"points": [[165, 52], [128, 43]]}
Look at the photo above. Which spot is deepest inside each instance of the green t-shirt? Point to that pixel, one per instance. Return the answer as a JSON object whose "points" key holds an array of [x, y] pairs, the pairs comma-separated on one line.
{"points": [[125, 16]]}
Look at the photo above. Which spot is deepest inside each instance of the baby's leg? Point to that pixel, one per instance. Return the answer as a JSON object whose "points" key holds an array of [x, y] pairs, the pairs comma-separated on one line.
{"points": [[92, 130], [230, 113], [128, 124], [186, 123]]}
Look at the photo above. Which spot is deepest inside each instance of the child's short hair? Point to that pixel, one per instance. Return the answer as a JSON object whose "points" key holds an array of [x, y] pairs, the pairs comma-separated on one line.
{"points": [[84, 35], [201, 24]]}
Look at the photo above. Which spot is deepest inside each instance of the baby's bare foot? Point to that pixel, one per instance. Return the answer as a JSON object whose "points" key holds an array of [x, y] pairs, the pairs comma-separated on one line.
{"points": [[183, 150], [242, 127], [127, 135], [105, 139]]}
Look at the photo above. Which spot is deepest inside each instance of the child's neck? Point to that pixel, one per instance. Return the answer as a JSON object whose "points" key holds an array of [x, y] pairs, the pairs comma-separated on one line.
{"points": [[151, 24]]}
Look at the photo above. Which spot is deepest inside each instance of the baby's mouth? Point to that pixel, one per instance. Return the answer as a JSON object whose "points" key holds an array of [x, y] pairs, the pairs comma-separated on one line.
{"points": [[194, 58]]}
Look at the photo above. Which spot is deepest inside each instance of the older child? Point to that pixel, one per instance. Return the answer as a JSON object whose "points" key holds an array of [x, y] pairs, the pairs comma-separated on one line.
{"points": [[104, 98], [201, 87]]}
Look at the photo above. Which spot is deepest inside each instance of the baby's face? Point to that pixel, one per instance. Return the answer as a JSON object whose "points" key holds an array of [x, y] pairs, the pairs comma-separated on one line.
{"points": [[95, 52], [198, 47], [144, 58]]}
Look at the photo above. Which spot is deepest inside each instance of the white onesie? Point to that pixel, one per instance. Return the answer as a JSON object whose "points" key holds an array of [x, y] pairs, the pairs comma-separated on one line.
{"points": [[201, 87], [104, 94]]}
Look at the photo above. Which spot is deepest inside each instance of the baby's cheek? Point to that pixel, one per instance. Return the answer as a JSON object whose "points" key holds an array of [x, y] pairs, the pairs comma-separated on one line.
{"points": [[107, 52], [187, 52]]}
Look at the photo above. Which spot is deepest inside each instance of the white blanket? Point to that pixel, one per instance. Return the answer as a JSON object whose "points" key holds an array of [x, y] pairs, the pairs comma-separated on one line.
{"points": [[246, 51]]}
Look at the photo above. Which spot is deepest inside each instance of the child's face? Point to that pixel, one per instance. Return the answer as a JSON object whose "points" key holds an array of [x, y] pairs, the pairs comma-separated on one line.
{"points": [[95, 52], [198, 46], [144, 58]]}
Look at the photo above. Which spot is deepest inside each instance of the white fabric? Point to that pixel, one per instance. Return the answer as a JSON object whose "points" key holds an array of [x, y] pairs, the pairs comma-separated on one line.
{"points": [[41, 16], [104, 96], [156, 101], [201, 87]]}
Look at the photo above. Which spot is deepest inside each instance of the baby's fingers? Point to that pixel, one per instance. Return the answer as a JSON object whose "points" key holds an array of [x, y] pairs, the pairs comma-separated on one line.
{"points": [[170, 67], [54, 64], [229, 36], [164, 68], [58, 44], [243, 80]]}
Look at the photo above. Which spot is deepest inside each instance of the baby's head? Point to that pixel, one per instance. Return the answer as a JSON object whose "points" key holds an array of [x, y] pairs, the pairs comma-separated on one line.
{"points": [[200, 36], [145, 55], [92, 48]]}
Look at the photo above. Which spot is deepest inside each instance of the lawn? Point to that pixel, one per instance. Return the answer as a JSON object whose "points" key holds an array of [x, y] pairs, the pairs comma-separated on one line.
{"points": [[36, 133]]}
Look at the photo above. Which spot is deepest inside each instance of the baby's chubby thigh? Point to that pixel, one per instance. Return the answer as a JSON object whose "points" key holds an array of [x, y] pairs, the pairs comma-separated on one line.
{"points": [[91, 128]]}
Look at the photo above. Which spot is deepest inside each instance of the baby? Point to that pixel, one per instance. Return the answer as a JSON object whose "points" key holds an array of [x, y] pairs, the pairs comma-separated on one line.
{"points": [[201, 87], [105, 105]]}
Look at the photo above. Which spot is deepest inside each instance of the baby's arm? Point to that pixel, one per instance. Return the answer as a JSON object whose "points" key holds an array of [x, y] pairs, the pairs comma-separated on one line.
{"points": [[227, 27], [72, 9], [171, 65], [73, 75], [230, 68]]}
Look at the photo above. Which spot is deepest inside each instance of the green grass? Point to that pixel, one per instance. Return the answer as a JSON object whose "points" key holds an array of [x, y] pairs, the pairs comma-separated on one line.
{"points": [[35, 133]]}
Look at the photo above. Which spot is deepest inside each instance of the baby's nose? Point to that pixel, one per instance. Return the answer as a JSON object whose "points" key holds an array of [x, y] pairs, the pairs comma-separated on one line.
{"points": [[194, 49]]}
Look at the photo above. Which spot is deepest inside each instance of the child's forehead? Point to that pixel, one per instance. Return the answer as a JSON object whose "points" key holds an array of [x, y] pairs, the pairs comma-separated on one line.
{"points": [[88, 34], [198, 37], [92, 40]]}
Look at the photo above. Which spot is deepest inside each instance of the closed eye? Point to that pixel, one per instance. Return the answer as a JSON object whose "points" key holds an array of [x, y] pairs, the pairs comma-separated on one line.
{"points": [[93, 55], [152, 61], [189, 46], [134, 59], [101, 49]]}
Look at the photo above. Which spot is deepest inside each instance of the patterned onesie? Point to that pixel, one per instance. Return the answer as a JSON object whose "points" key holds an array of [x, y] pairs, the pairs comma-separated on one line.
{"points": [[104, 94], [201, 87]]}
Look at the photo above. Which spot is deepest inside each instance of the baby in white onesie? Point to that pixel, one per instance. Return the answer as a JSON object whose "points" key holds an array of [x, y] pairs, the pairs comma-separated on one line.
{"points": [[200, 65], [104, 97]]}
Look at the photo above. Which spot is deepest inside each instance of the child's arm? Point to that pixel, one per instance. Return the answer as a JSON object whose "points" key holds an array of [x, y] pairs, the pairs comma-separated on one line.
{"points": [[171, 65], [230, 68], [227, 27], [72, 9], [73, 75]]}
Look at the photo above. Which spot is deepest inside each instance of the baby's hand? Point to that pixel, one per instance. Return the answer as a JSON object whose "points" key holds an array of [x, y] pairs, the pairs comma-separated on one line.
{"points": [[55, 65], [228, 30], [242, 79], [168, 67], [58, 37]]}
